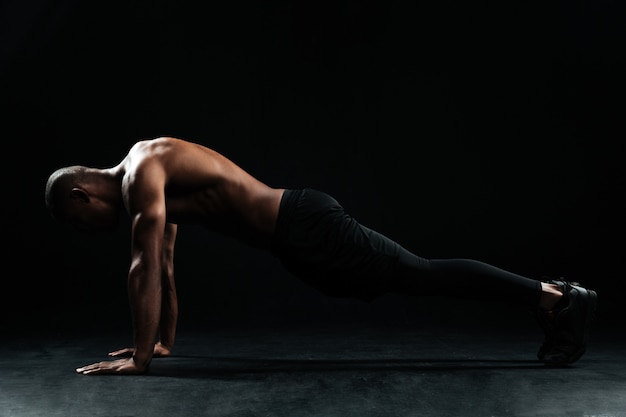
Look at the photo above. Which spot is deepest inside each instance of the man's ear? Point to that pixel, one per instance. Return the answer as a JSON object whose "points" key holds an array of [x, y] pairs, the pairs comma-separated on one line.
{"points": [[80, 194]]}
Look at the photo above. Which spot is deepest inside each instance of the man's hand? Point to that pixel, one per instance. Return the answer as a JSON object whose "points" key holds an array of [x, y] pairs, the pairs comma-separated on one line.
{"points": [[160, 350], [117, 367]]}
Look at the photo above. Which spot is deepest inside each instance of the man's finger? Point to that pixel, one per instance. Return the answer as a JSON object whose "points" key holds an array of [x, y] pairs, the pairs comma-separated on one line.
{"points": [[125, 351]]}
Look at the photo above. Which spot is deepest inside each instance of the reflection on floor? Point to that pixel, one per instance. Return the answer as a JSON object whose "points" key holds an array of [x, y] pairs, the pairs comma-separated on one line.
{"points": [[338, 370]]}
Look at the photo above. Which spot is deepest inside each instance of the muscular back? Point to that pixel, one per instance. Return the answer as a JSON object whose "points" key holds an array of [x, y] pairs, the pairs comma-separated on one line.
{"points": [[202, 186]]}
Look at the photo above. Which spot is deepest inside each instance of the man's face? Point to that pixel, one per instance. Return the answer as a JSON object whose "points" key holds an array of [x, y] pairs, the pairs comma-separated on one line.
{"points": [[89, 218]]}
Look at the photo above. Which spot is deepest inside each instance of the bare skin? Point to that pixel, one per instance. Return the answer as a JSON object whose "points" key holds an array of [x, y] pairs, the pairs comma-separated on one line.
{"points": [[550, 295], [160, 184]]}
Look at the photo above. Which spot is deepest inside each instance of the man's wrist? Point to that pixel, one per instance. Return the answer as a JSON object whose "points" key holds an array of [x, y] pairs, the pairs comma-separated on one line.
{"points": [[142, 361]]}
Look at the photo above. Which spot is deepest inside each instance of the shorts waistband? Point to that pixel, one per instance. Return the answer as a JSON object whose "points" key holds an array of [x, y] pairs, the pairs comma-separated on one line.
{"points": [[288, 205]]}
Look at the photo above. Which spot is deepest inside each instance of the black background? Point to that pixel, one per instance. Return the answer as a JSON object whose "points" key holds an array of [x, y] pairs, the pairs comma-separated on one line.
{"points": [[486, 130]]}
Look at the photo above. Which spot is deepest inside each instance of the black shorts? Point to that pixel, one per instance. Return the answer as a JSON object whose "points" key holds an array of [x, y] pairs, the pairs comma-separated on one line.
{"points": [[317, 241]]}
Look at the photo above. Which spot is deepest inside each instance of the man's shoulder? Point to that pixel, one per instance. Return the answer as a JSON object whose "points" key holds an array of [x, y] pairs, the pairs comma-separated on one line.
{"points": [[153, 150], [144, 161]]}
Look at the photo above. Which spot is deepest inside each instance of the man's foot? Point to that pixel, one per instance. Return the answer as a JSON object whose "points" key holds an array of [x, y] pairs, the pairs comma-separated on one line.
{"points": [[566, 326]]}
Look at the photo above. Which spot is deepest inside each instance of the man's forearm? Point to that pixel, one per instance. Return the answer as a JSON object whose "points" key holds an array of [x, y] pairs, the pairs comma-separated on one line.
{"points": [[145, 303], [169, 318], [169, 308]]}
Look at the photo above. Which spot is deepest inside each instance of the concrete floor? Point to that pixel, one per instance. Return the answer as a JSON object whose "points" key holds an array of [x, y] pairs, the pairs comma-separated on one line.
{"points": [[340, 369]]}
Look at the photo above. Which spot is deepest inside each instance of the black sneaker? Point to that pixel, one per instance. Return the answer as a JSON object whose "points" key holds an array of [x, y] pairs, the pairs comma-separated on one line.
{"points": [[566, 326]]}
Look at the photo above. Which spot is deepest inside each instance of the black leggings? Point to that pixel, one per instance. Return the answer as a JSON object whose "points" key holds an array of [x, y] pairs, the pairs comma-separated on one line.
{"points": [[464, 278], [319, 242]]}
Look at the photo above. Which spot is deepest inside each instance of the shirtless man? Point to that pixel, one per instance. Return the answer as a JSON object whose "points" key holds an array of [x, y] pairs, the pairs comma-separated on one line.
{"points": [[165, 182]]}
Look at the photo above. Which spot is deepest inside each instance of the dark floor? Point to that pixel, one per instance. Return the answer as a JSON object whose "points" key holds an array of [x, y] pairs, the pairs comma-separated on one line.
{"points": [[338, 370]]}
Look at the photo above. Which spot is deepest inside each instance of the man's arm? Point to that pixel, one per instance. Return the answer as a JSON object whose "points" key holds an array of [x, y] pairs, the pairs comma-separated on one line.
{"points": [[169, 300], [143, 191], [144, 284]]}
